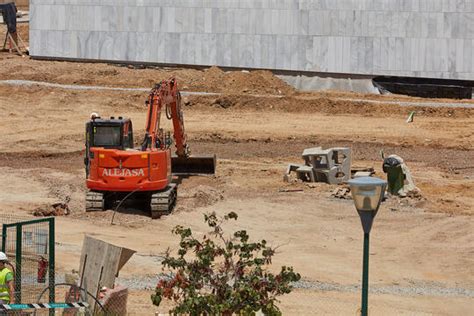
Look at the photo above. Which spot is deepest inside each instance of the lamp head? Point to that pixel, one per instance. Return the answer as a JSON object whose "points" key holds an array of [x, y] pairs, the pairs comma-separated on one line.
{"points": [[367, 193]]}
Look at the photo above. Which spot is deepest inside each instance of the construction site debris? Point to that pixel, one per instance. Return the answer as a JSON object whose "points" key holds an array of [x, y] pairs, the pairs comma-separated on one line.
{"points": [[331, 165], [411, 116], [290, 190], [400, 181], [342, 192], [56, 209], [100, 264]]}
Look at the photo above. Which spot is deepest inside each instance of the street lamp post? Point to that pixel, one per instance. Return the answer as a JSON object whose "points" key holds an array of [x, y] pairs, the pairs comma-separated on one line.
{"points": [[367, 193]]}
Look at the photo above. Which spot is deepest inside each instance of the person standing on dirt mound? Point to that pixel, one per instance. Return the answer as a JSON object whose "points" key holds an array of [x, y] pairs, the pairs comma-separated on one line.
{"points": [[9, 10], [6, 281]]}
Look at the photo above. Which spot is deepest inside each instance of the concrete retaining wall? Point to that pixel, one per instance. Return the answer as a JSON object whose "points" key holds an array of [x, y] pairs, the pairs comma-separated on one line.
{"points": [[419, 38]]}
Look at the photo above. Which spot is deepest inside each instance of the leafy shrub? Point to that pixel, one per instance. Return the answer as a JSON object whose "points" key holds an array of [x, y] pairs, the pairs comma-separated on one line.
{"points": [[220, 275]]}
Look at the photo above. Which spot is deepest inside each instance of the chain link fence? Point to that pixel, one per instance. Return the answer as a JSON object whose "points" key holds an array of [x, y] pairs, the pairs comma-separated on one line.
{"points": [[29, 244]]}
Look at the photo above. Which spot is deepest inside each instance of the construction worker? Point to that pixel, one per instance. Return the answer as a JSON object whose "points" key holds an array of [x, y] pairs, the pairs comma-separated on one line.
{"points": [[9, 10], [6, 281]]}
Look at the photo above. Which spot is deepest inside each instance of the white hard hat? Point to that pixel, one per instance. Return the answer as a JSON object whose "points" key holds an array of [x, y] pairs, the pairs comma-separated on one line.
{"points": [[94, 115], [3, 256]]}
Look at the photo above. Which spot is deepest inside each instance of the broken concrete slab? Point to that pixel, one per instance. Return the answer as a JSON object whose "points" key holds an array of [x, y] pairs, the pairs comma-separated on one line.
{"points": [[100, 264], [332, 165]]}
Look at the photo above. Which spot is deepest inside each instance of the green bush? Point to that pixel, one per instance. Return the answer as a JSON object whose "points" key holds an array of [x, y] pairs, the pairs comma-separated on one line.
{"points": [[220, 275]]}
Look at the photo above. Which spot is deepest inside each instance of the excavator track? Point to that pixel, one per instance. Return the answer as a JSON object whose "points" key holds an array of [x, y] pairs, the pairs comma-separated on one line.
{"points": [[163, 202], [94, 201]]}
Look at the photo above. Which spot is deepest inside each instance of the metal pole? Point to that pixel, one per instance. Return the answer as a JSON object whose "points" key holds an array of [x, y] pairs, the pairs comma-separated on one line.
{"points": [[52, 268], [365, 276], [4, 238], [18, 272]]}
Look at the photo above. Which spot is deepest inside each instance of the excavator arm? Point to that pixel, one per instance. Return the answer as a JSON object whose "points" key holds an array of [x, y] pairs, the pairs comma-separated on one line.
{"points": [[165, 95]]}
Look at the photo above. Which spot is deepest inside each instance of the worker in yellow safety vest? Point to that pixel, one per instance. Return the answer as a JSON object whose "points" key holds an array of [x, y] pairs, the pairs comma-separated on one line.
{"points": [[6, 281]]}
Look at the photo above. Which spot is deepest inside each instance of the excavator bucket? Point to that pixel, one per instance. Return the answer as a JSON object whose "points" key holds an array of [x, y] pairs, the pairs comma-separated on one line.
{"points": [[193, 165]]}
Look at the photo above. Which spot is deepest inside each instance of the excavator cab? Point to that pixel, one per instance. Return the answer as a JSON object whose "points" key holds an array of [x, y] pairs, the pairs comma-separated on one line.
{"points": [[113, 133]]}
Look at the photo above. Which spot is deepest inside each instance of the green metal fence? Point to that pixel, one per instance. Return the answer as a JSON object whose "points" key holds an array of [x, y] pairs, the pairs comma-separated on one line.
{"points": [[29, 245]]}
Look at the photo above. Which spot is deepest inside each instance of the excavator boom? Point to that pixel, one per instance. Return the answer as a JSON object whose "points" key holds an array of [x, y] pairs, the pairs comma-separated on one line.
{"points": [[166, 95]]}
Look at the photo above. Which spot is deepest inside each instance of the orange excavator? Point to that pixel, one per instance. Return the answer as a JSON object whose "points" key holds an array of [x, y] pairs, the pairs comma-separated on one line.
{"points": [[116, 170]]}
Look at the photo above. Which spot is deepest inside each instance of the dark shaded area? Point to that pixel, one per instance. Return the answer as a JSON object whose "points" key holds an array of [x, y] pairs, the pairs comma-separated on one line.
{"points": [[425, 87]]}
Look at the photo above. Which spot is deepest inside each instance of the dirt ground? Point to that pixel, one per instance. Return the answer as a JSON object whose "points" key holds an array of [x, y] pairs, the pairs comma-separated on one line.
{"points": [[422, 250]]}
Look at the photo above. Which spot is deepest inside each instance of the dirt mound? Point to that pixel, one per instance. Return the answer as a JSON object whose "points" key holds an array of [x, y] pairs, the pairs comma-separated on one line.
{"points": [[97, 74], [323, 104], [204, 195], [242, 82], [56, 209]]}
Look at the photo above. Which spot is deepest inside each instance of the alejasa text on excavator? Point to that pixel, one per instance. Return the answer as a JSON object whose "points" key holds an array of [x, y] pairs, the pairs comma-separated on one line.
{"points": [[116, 170]]}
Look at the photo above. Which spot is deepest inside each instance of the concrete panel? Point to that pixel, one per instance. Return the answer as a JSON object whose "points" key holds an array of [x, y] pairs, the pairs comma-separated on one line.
{"points": [[375, 37]]}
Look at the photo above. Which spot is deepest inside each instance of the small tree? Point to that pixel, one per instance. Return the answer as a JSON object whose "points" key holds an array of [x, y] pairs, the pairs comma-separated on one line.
{"points": [[220, 275]]}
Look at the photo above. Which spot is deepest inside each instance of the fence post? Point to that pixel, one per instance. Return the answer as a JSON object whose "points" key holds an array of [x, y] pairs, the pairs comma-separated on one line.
{"points": [[52, 275], [4, 238], [19, 230]]}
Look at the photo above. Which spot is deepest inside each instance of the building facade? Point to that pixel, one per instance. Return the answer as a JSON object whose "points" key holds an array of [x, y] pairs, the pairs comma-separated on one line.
{"points": [[414, 38]]}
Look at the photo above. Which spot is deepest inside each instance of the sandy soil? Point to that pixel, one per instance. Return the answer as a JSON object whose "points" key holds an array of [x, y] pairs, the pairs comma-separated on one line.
{"points": [[422, 251]]}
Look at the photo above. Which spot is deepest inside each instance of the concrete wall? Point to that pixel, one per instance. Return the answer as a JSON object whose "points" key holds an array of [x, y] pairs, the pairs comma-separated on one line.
{"points": [[424, 38]]}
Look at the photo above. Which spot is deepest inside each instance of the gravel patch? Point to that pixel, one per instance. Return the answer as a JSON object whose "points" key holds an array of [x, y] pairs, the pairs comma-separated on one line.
{"points": [[414, 289]]}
